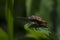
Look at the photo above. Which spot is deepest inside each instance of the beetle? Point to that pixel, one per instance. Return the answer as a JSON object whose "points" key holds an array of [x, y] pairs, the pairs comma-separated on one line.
{"points": [[38, 20]]}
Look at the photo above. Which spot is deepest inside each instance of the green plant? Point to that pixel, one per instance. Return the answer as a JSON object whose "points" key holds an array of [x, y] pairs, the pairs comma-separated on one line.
{"points": [[37, 30]]}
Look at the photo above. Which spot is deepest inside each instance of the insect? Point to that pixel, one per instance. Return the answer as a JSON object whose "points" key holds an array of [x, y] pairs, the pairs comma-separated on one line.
{"points": [[38, 20]]}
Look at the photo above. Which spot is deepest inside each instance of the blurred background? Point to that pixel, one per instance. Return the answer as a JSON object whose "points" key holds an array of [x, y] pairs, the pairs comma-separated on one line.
{"points": [[11, 12]]}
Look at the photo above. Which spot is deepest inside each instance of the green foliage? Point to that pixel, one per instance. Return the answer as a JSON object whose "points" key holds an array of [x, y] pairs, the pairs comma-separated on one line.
{"points": [[40, 8], [41, 33], [9, 17], [3, 35]]}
